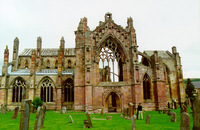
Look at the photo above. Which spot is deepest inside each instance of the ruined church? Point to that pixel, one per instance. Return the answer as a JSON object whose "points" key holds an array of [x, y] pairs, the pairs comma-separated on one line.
{"points": [[104, 70]]}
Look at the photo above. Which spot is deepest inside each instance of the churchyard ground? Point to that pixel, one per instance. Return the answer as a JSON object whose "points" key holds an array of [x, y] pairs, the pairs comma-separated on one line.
{"points": [[57, 121]]}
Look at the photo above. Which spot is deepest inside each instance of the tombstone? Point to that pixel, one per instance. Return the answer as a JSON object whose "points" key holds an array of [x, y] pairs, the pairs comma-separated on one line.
{"points": [[43, 116], [109, 117], [148, 119], [124, 112], [169, 112], [63, 110], [175, 104], [89, 120], [71, 119], [86, 110], [185, 121], [86, 124], [101, 112], [173, 117], [25, 114], [196, 114], [38, 119], [15, 113], [3, 109], [133, 122], [131, 110]]}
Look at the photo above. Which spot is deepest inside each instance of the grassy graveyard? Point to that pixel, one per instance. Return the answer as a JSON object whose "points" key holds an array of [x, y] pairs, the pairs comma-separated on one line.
{"points": [[58, 121]]}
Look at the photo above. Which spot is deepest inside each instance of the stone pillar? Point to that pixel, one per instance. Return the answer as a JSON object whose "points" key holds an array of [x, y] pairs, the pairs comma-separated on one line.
{"points": [[15, 54]]}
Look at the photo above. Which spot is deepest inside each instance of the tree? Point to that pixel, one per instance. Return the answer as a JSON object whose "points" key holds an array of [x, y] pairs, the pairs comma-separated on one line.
{"points": [[189, 89], [37, 102]]}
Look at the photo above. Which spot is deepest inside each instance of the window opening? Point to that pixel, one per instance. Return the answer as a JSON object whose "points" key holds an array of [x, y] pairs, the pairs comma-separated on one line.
{"points": [[47, 91]]}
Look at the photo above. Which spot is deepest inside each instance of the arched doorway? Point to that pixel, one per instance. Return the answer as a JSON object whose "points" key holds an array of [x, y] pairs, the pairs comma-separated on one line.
{"points": [[112, 102]]}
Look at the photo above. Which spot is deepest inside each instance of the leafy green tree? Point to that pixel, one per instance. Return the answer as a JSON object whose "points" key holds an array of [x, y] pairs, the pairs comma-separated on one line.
{"points": [[37, 102], [189, 89]]}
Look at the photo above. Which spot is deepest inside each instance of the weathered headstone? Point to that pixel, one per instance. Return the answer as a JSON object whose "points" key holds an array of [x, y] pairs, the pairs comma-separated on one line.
{"points": [[148, 119], [3, 109], [15, 113], [196, 114], [173, 117], [185, 121], [86, 124], [25, 114], [133, 122], [71, 119], [131, 110], [43, 116], [101, 112], [38, 119], [63, 110], [124, 112], [89, 120], [169, 112], [109, 117]]}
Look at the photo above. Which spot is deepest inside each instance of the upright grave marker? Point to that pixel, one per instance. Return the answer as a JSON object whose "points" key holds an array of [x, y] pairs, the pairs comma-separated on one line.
{"points": [[173, 117], [15, 113], [185, 121], [89, 120], [25, 114], [196, 114], [133, 122], [131, 110], [43, 116], [148, 119], [38, 119], [63, 110]]}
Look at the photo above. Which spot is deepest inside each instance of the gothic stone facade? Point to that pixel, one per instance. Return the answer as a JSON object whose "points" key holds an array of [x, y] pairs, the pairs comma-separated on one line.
{"points": [[103, 71]]}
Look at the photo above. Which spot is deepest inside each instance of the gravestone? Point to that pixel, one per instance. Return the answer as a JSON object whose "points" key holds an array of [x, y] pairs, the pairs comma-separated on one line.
{"points": [[86, 124], [89, 120], [71, 119], [185, 121], [43, 116], [38, 119], [3, 109], [15, 113], [109, 117], [124, 112], [148, 119], [173, 117], [169, 112], [101, 112], [133, 122], [25, 114], [196, 114], [131, 110], [63, 110]]}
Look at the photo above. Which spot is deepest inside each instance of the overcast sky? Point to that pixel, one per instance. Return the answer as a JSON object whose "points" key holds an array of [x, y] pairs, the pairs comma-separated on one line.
{"points": [[159, 24]]}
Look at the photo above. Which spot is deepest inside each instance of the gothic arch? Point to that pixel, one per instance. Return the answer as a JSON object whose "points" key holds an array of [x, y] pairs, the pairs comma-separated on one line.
{"points": [[19, 88], [68, 90], [146, 87], [47, 88], [118, 43]]}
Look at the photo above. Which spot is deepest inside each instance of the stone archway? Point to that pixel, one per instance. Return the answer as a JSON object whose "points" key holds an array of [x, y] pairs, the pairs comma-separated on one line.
{"points": [[112, 102]]}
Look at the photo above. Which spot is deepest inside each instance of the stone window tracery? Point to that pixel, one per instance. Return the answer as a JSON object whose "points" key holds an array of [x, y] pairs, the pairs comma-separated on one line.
{"points": [[146, 87], [19, 90], [46, 91], [69, 91], [110, 63]]}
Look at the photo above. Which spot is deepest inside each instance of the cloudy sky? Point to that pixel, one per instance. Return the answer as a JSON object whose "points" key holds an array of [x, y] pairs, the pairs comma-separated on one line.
{"points": [[159, 24]]}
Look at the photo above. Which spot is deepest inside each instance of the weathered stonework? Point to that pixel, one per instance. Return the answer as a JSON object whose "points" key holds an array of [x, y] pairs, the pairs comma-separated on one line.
{"points": [[102, 71]]}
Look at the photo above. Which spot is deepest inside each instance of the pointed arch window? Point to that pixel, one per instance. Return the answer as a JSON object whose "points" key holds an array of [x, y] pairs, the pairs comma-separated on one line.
{"points": [[19, 90], [146, 87], [69, 91], [110, 63], [46, 90], [56, 64]]}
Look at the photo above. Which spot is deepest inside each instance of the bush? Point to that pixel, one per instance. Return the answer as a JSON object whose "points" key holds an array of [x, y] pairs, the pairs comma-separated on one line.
{"points": [[37, 102]]}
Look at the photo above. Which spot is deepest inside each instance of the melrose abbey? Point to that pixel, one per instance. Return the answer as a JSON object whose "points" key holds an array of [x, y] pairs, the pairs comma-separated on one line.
{"points": [[104, 70]]}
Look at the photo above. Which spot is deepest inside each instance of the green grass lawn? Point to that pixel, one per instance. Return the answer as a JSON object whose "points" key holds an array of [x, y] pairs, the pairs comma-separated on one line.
{"points": [[57, 121]]}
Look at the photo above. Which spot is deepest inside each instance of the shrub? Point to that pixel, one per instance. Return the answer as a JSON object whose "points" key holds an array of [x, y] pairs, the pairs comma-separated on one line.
{"points": [[37, 102]]}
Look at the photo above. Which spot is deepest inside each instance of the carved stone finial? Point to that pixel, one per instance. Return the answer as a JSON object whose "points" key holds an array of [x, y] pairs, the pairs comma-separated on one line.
{"points": [[39, 39], [62, 39], [16, 39], [108, 16]]}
